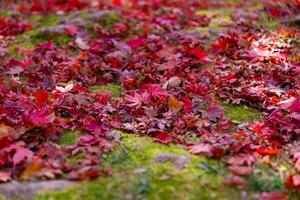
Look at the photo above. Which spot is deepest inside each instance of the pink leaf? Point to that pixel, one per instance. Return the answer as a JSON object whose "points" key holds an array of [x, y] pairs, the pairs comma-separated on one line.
{"points": [[5, 176], [295, 107], [136, 43], [21, 154], [241, 170], [71, 29], [276, 195], [164, 138], [42, 116], [204, 149]]}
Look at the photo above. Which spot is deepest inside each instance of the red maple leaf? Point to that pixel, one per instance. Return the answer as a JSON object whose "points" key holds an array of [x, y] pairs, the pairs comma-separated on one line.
{"points": [[155, 91], [198, 53], [241, 170], [41, 97], [5, 176], [137, 100], [42, 116], [276, 195], [137, 43], [295, 106], [164, 138], [267, 150], [293, 182]]}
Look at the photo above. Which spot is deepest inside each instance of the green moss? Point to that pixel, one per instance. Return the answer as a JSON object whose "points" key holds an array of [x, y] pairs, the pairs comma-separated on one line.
{"points": [[5, 13], [293, 195], [24, 40], [265, 180], [61, 39], [218, 17], [107, 21], [135, 176], [73, 160], [217, 11], [269, 23], [44, 20], [69, 137], [82, 15], [8, 78], [2, 197], [58, 39], [33, 37], [13, 49], [110, 19], [115, 89], [241, 113]]}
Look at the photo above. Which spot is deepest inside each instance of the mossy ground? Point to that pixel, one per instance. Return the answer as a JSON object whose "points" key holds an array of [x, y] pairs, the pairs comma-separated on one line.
{"points": [[219, 17], [134, 175], [114, 89], [35, 36], [242, 113], [69, 137]]}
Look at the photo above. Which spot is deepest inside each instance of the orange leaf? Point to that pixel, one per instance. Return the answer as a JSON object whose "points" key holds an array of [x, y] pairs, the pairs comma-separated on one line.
{"points": [[173, 103], [267, 150], [32, 169]]}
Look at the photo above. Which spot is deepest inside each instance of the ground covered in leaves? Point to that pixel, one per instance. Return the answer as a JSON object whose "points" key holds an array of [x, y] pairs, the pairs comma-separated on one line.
{"points": [[158, 99]]}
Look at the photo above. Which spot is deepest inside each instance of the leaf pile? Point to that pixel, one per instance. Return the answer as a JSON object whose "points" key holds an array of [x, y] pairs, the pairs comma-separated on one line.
{"points": [[172, 79]]}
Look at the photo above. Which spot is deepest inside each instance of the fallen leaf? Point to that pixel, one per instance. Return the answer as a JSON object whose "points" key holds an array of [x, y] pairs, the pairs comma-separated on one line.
{"points": [[293, 182], [204, 149], [41, 97], [267, 150], [5, 176], [32, 169], [81, 44], [276, 195], [236, 181], [164, 138], [241, 170], [173, 103], [21, 154]]}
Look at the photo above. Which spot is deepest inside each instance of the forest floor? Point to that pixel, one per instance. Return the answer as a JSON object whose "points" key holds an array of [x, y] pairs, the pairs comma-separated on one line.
{"points": [[140, 167]]}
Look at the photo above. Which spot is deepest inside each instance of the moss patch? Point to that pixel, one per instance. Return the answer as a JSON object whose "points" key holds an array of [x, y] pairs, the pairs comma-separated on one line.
{"points": [[69, 137], [110, 19], [35, 36], [45, 20], [58, 39], [4, 13], [241, 113], [31, 38], [265, 179], [218, 16], [115, 89], [135, 176], [14, 46], [269, 23]]}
